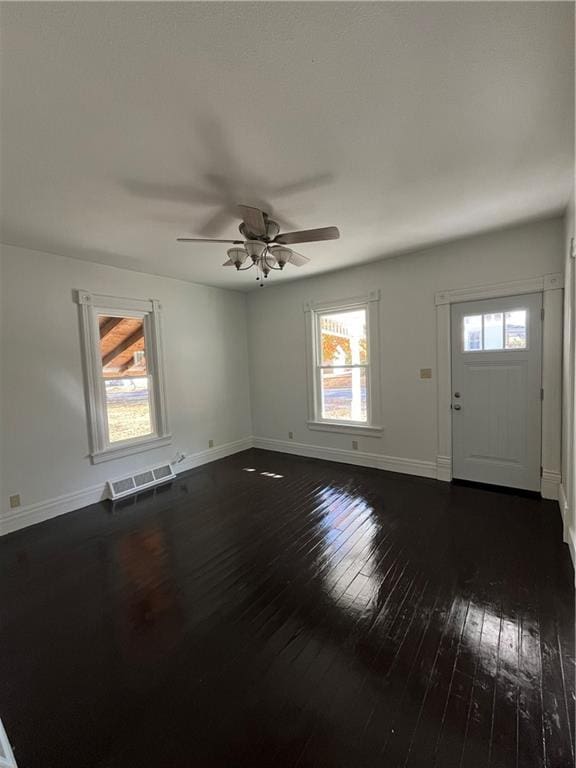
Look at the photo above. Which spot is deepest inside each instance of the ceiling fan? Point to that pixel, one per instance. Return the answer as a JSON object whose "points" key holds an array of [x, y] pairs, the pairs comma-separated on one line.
{"points": [[264, 244]]}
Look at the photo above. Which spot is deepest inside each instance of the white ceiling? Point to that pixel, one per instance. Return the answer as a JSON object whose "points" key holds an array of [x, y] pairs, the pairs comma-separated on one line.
{"points": [[125, 125]]}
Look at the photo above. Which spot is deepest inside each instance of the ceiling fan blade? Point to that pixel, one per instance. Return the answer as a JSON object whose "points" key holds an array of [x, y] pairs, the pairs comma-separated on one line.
{"points": [[228, 263], [254, 219], [308, 236], [298, 260], [207, 240]]}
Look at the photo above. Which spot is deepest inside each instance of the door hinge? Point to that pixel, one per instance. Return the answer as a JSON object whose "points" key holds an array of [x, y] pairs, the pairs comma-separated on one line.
{"points": [[541, 472], [572, 248], [542, 393], [542, 314]]}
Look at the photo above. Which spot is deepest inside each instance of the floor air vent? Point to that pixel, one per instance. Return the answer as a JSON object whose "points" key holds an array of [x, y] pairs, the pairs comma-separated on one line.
{"points": [[126, 486]]}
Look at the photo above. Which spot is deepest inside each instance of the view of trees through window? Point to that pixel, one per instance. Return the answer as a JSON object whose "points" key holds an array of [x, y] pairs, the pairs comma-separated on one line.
{"points": [[126, 377], [343, 365]]}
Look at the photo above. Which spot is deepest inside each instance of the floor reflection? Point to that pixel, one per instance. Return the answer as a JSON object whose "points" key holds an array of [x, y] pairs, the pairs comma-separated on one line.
{"points": [[317, 615], [147, 611], [350, 550]]}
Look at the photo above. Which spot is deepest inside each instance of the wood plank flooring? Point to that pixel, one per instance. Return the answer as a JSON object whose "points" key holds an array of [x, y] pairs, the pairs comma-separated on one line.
{"points": [[331, 617]]}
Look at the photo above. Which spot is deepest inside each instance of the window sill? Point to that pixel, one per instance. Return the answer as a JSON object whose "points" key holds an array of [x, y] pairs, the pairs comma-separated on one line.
{"points": [[347, 429], [109, 454]]}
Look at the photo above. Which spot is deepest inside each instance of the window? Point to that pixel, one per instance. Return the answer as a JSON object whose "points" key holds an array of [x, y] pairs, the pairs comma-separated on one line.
{"points": [[342, 365], [343, 374], [124, 375], [497, 330]]}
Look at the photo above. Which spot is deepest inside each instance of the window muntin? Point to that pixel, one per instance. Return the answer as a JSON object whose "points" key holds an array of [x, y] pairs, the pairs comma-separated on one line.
{"points": [[495, 331], [126, 379], [342, 366]]}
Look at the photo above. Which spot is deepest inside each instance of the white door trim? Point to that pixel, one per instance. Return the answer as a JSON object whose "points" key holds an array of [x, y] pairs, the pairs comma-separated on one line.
{"points": [[551, 286]]}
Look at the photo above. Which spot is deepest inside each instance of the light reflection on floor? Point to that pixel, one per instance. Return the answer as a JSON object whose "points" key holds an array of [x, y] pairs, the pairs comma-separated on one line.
{"points": [[350, 566], [264, 474], [349, 550]]}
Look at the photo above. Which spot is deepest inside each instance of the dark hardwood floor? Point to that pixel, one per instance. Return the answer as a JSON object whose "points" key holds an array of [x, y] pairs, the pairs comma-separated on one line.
{"points": [[334, 616]]}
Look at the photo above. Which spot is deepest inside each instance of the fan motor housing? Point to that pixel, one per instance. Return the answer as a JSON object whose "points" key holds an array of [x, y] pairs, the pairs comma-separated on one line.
{"points": [[272, 229]]}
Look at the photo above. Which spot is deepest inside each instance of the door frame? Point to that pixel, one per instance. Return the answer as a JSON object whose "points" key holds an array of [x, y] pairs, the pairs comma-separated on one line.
{"points": [[551, 287]]}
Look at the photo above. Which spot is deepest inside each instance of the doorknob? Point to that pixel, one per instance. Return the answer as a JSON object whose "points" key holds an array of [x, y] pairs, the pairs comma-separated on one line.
{"points": [[457, 407], [456, 394]]}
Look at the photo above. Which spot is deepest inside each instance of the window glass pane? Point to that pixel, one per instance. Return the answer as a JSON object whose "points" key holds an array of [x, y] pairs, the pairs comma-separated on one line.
{"points": [[472, 333], [493, 336], [343, 338], [515, 334], [126, 379], [343, 393], [128, 408]]}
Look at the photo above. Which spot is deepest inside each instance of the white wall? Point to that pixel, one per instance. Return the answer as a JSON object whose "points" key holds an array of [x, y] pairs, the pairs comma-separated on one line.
{"points": [[44, 428], [209, 362], [408, 334], [568, 489]]}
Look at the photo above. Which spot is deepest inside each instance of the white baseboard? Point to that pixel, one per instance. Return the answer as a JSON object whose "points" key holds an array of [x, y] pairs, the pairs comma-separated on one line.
{"points": [[45, 510], [212, 454], [441, 470], [444, 468], [69, 502], [563, 503], [572, 547], [359, 458], [568, 533], [550, 485]]}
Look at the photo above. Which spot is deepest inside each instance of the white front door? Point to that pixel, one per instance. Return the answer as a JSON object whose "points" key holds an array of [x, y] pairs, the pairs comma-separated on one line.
{"points": [[496, 391]]}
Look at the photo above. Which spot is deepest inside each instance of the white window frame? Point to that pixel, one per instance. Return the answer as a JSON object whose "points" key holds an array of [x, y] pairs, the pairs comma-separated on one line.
{"points": [[313, 311], [91, 306]]}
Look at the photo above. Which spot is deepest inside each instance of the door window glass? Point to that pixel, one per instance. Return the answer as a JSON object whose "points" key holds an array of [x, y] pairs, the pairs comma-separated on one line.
{"points": [[495, 330], [515, 334], [472, 333]]}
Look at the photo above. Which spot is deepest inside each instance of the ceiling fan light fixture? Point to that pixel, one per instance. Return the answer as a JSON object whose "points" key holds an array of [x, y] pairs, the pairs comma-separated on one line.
{"points": [[281, 254], [272, 229], [237, 256], [265, 245], [255, 249]]}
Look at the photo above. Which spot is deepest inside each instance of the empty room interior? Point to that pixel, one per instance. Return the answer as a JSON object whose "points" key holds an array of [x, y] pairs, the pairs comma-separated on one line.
{"points": [[287, 385]]}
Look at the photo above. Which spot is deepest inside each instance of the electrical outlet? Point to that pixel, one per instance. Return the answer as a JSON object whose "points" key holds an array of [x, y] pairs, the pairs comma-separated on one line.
{"points": [[291, 435], [355, 445], [210, 443], [15, 501]]}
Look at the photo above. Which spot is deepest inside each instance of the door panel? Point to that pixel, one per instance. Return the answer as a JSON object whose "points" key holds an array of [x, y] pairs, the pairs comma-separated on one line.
{"points": [[496, 380]]}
